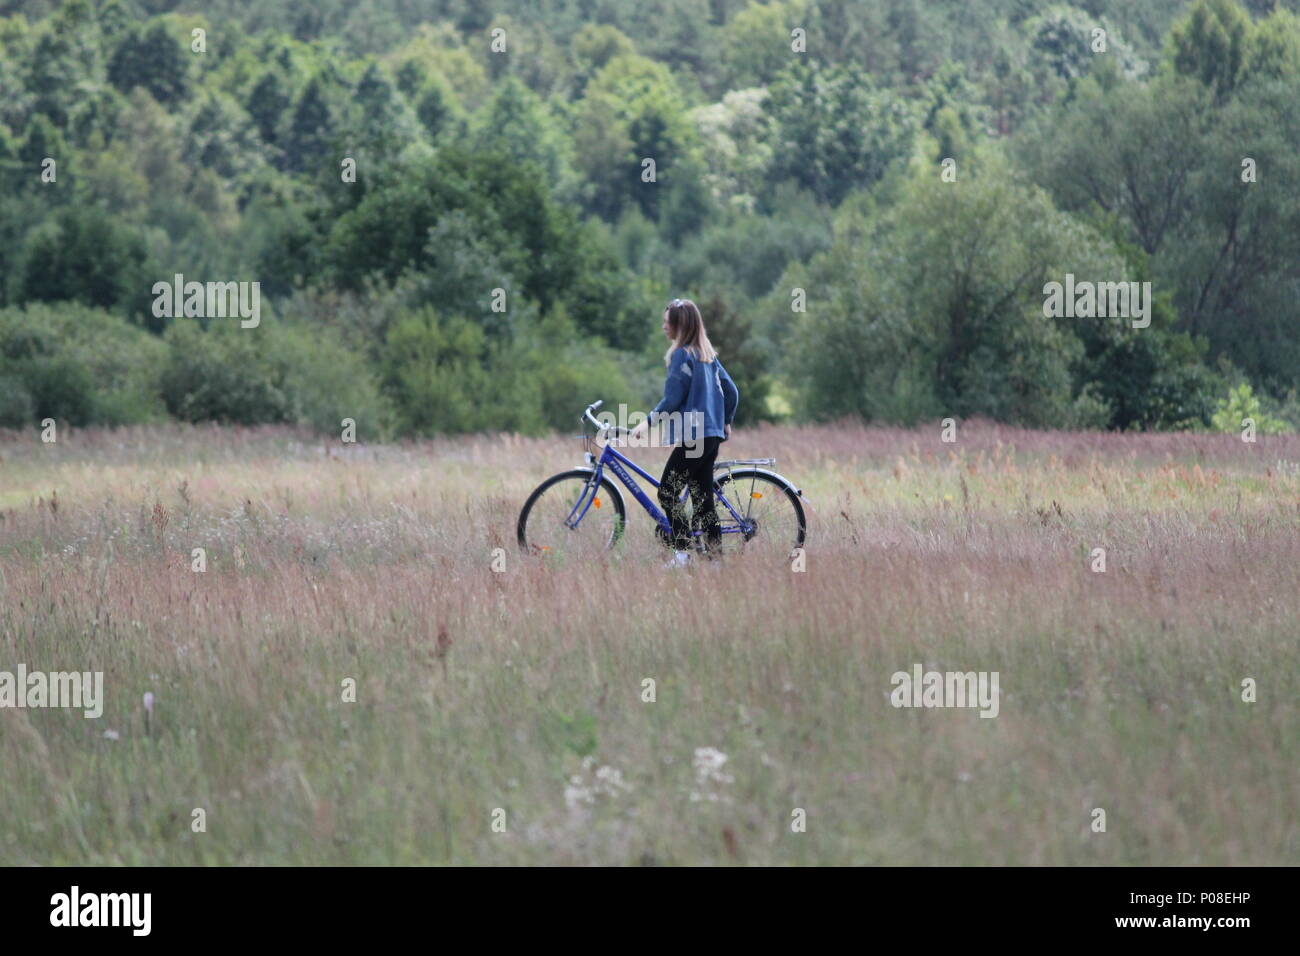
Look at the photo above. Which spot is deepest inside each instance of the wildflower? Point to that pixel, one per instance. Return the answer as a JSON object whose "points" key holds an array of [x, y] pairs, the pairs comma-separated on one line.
{"points": [[593, 782], [709, 775]]}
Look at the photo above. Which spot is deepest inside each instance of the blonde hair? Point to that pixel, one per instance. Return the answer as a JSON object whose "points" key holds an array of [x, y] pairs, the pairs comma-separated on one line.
{"points": [[687, 328]]}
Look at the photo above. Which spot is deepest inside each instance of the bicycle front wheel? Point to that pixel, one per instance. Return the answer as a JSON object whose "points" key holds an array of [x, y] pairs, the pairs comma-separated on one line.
{"points": [[765, 515], [570, 515]]}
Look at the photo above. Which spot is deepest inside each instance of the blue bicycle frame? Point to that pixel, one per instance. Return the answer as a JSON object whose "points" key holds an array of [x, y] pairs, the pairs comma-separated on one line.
{"points": [[618, 464]]}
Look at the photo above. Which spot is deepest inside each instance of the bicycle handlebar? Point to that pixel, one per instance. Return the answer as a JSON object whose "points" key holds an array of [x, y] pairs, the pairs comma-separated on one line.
{"points": [[600, 426]]}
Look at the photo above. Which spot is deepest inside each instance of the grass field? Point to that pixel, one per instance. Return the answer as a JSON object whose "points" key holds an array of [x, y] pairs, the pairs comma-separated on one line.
{"points": [[522, 690]]}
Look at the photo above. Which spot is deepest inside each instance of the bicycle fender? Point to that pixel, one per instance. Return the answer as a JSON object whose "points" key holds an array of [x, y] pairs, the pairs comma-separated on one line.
{"points": [[767, 473]]}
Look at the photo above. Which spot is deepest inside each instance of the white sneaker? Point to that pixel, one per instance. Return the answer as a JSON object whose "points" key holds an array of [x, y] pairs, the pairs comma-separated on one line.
{"points": [[680, 559]]}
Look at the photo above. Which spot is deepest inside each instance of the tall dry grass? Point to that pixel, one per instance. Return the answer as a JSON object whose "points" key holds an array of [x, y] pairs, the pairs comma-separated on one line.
{"points": [[522, 690]]}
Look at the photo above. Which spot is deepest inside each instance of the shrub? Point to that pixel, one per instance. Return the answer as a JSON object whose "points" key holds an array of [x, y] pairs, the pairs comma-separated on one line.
{"points": [[1241, 404], [277, 372], [77, 364], [446, 375]]}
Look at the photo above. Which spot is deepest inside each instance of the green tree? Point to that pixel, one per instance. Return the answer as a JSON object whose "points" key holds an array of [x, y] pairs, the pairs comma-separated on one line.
{"points": [[154, 59], [1241, 405], [266, 105], [934, 307], [734, 149], [516, 124], [84, 255], [592, 47], [1203, 187], [832, 132], [52, 76], [1276, 50], [309, 138], [221, 137], [633, 110], [42, 140], [756, 42], [508, 211], [1063, 38], [1125, 150], [1212, 43], [437, 109], [380, 123]]}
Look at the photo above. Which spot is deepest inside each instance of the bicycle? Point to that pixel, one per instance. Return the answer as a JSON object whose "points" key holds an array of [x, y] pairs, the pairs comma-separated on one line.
{"points": [[582, 511]]}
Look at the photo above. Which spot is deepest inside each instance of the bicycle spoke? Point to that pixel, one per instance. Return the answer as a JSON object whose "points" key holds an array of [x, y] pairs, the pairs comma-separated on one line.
{"points": [[769, 518]]}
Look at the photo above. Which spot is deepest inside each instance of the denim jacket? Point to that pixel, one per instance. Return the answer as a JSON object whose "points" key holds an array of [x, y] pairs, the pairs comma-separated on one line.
{"points": [[702, 392]]}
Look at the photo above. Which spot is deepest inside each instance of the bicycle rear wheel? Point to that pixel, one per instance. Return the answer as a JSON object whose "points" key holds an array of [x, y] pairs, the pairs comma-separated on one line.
{"points": [[568, 515], [771, 517]]}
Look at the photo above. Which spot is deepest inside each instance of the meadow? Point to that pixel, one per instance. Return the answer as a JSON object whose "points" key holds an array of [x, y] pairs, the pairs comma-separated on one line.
{"points": [[500, 717]]}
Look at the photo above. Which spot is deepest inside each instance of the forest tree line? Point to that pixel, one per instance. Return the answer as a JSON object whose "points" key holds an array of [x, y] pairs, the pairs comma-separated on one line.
{"points": [[799, 197]]}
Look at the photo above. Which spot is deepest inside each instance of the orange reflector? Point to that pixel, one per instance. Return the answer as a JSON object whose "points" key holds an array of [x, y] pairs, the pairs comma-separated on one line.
{"points": [[756, 494], [596, 502]]}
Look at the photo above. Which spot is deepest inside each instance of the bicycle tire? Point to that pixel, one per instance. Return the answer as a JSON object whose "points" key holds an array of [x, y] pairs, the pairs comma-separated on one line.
{"points": [[770, 480], [583, 474]]}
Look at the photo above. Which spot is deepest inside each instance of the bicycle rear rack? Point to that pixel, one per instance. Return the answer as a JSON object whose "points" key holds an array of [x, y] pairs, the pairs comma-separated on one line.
{"points": [[736, 462]]}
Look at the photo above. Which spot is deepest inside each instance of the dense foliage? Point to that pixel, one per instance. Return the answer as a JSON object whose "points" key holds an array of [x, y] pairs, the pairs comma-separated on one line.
{"points": [[502, 254]]}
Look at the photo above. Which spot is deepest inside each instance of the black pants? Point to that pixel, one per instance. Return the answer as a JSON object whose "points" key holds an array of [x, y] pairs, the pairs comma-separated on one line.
{"points": [[696, 475]]}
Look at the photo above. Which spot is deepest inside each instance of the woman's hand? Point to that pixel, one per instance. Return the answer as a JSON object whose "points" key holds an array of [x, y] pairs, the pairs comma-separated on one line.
{"points": [[642, 427], [728, 429]]}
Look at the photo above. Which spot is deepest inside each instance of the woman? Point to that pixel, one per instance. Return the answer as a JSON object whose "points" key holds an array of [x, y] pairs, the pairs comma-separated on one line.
{"points": [[700, 402]]}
